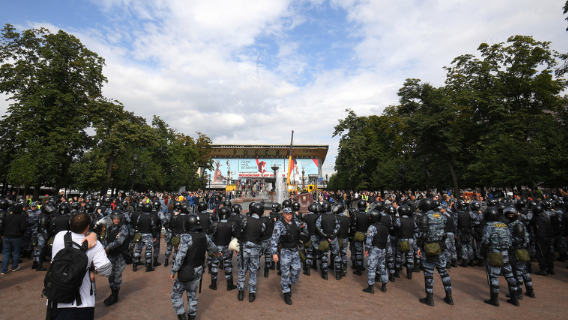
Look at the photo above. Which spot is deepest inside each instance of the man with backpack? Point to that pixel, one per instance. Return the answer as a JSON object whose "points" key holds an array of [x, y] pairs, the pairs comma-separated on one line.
{"points": [[78, 302]]}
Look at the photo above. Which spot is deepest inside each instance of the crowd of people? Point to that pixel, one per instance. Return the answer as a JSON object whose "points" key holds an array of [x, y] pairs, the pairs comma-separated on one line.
{"points": [[400, 233]]}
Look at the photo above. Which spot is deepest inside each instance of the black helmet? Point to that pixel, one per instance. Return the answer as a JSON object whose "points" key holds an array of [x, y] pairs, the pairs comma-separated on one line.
{"points": [[500, 207], [224, 213], [48, 209], [156, 205], [191, 222], [353, 211], [287, 203], [511, 213], [258, 208], [336, 209], [250, 206], [276, 207], [116, 215], [237, 208], [521, 204], [461, 205], [404, 210], [202, 206], [537, 209], [492, 214], [4, 204], [226, 203], [425, 204], [177, 205], [64, 208], [361, 204], [340, 207], [296, 206], [184, 208], [546, 204], [147, 207], [313, 207], [325, 207], [474, 206], [75, 205], [375, 215], [492, 202], [390, 210], [379, 205], [435, 204], [125, 203], [18, 207], [89, 207]]}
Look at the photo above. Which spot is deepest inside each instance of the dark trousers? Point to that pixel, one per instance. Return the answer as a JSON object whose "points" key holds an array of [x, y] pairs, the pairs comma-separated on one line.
{"points": [[544, 254], [75, 314]]}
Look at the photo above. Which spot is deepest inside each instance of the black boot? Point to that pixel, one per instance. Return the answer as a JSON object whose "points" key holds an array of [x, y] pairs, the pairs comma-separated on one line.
{"points": [[213, 285], [314, 265], [165, 262], [530, 292], [338, 274], [156, 263], [429, 300], [112, 299], [480, 263], [272, 265], [191, 317], [384, 287], [288, 298], [416, 268], [331, 266], [34, 265], [182, 317], [252, 297], [529, 267], [40, 264], [470, 263], [551, 271], [230, 285], [464, 263], [494, 300], [358, 271], [241, 295], [542, 272], [520, 293], [370, 289], [324, 275], [448, 298], [266, 270], [408, 273], [391, 277], [135, 268], [149, 267], [513, 297], [307, 270], [397, 273]]}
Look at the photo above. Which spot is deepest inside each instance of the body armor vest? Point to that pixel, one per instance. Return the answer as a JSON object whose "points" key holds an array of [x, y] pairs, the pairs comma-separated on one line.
{"points": [[362, 223], [310, 220], [292, 237], [500, 238], [253, 230], [406, 230], [223, 234], [178, 223], [381, 237], [61, 223], [328, 223], [145, 223], [196, 253]]}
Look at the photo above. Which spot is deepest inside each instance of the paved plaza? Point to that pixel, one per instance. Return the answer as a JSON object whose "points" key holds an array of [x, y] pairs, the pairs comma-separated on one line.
{"points": [[147, 296]]}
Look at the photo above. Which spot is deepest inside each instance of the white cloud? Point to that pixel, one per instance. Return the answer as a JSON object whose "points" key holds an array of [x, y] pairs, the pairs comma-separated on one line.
{"points": [[194, 63]]}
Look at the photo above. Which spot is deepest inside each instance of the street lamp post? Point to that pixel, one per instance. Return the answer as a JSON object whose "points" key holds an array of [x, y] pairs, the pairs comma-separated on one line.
{"points": [[326, 180], [303, 180]]}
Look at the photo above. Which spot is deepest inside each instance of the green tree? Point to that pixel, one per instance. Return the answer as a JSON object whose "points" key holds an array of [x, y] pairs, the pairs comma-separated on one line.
{"points": [[53, 81]]}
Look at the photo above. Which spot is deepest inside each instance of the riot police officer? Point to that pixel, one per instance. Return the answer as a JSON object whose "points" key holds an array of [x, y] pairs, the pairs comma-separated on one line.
{"points": [[117, 243], [250, 230], [223, 232], [327, 226], [377, 248]]}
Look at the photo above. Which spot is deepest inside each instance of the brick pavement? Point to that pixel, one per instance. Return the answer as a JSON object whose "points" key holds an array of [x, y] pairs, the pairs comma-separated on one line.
{"points": [[147, 296]]}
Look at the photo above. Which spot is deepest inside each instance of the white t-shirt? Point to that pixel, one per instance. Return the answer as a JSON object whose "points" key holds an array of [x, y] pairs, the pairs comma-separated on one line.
{"points": [[96, 255]]}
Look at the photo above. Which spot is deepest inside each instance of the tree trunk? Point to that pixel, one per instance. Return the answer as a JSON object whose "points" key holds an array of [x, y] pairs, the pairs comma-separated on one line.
{"points": [[109, 172], [454, 179]]}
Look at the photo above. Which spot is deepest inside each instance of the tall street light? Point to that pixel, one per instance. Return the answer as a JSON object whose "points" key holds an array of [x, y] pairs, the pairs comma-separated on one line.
{"points": [[134, 158]]}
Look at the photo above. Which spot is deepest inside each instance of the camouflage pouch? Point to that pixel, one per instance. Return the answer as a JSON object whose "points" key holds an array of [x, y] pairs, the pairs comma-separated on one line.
{"points": [[359, 236], [50, 241], [522, 255], [340, 240], [495, 259], [404, 246], [102, 236], [323, 246], [308, 244], [175, 241], [302, 256], [35, 242], [137, 237], [432, 249]]}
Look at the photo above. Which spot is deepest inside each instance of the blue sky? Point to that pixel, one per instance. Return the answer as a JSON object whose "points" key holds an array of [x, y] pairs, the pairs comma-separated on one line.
{"points": [[251, 71]]}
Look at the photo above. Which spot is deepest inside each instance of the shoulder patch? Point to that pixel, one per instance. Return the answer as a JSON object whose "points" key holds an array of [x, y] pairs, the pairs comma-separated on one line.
{"points": [[500, 225], [436, 215]]}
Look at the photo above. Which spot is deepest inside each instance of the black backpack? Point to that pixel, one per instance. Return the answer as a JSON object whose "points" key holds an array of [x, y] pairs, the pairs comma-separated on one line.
{"points": [[65, 274]]}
